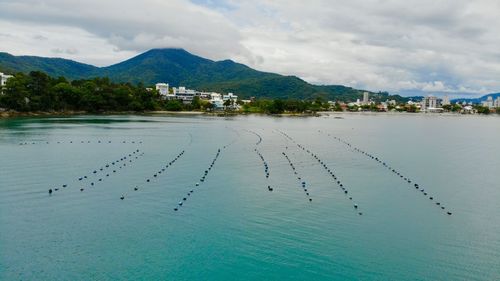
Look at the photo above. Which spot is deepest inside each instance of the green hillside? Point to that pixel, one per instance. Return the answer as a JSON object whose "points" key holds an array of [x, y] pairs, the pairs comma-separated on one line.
{"points": [[181, 68]]}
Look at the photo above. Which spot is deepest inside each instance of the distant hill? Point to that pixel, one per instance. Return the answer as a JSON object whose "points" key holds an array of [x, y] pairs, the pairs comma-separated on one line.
{"points": [[181, 68], [52, 66], [478, 100]]}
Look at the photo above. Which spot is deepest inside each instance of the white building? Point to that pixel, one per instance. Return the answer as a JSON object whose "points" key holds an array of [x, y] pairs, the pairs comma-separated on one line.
{"points": [[489, 102], [230, 96], [385, 106], [216, 100], [233, 98], [468, 109], [430, 103], [205, 95], [162, 88], [3, 80], [186, 95], [366, 98], [446, 100], [497, 102]]}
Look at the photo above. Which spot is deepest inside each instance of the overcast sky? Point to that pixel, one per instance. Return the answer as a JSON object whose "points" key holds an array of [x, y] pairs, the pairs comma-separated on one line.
{"points": [[400, 46]]}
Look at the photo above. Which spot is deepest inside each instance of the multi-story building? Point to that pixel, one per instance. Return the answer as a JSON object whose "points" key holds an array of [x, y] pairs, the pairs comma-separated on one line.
{"points": [[230, 96], [430, 103], [216, 100], [366, 98], [497, 102], [3, 80], [233, 98], [446, 100], [186, 95], [163, 89], [204, 95], [489, 102]]}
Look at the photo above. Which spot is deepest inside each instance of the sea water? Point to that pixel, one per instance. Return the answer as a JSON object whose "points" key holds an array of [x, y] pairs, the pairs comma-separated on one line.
{"points": [[231, 227]]}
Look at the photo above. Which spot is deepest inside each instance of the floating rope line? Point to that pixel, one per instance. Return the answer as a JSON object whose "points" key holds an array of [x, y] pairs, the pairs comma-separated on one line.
{"points": [[105, 171], [205, 173], [393, 170], [79, 142], [330, 171], [161, 171], [299, 178]]}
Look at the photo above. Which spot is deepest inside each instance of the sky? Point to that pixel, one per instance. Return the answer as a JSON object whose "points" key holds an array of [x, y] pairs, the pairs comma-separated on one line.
{"points": [[408, 47]]}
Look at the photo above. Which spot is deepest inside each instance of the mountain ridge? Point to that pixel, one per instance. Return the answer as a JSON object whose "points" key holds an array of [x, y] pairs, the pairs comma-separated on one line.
{"points": [[479, 99], [179, 67]]}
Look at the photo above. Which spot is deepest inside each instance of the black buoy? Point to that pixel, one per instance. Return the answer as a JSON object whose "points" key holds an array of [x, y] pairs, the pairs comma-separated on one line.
{"points": [[50, 191]]}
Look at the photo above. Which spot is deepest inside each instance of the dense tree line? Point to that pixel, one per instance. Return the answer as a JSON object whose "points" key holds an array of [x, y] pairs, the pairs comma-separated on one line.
{"points": [[39, 92], [278, 106]]}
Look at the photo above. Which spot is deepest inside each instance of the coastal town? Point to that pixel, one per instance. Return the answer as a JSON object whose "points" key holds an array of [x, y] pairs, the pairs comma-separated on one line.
{"points": [[217, 100], [40, 93], [429, 104]]}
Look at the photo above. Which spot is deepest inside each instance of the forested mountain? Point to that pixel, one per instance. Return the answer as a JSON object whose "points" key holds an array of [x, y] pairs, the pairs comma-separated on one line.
{"points": [[181, 68]]}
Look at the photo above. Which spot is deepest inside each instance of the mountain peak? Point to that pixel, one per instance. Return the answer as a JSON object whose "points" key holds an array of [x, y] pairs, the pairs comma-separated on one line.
{"points": [[166, 50]]}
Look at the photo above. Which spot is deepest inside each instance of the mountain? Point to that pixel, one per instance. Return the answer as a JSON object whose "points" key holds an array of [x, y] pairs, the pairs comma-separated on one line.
{"points": [[52, 66], [478, 100], [181, 68]]}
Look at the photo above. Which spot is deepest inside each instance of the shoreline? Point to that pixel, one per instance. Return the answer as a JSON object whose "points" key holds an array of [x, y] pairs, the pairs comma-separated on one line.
{"points": [[15, 114]]}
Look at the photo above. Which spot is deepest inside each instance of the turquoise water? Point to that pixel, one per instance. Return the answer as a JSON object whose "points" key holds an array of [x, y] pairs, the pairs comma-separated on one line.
{"points": [[231, 227]]}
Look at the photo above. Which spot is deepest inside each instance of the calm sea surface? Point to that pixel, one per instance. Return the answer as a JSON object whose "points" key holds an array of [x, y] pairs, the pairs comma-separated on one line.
{"points": [[231, 227]]}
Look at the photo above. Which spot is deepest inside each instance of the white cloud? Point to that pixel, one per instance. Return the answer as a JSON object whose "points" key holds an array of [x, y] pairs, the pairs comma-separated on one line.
{"points": [[413, 46]]}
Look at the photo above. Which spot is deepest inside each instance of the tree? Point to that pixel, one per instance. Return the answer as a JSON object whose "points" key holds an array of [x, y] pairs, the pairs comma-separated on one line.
{"points": [[482, 109], [68, 96], [276, 107], [337, 107], [174, 105], [411, 108], [353, 108], [16, 93], [196, 104]]}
